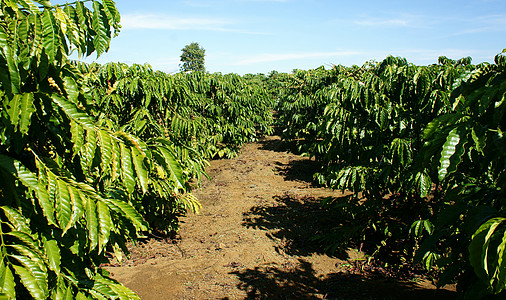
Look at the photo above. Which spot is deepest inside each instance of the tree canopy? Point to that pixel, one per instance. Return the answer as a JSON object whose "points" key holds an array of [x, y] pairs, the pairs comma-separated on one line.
{"points": [[192, 58]]}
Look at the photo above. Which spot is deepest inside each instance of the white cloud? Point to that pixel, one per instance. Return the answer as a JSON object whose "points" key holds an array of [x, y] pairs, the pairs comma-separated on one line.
{"points": [[381, 22], [264, 0], [490, 23], [402, 20], [164, 22], [154, 21], [270, 57], [348, 57], [209, 3]]}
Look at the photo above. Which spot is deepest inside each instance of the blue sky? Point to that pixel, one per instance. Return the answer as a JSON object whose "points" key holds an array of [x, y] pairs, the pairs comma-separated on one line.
{"points": [[258, 36]]}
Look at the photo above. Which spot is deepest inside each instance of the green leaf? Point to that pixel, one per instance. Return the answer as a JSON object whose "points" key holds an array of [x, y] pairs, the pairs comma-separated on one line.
{"points": [[191, 203], [77, 138], [26, 240], [7, 284], [428, 226], [448, 163], [121, 291], [46, 202], [111, 11], [50, 34], [141, 171], [76, 203], [13, 109], [19, 171], [102, 291], [479, 249], [81, 296], [106, 149], [491, 229], [118, 253], [115, 159], [16, 219], [479, 136], [127, 172], [424, 184], [430, 259], [101, 27], [127, 211], [171, 164], [63, 205], [43, 65], [32, 276], [416, 228], [74, 113], [69, 293], [88, 153], [105, 222], [12, 64], [401, 151], [74, 34], [45, 3], [434, 126], [61, 19], [4, 39], [24, 53], [53, 255], [501, 265], [91, 222], [82, 20], [71, 88], [29, 5], [27, 109]]}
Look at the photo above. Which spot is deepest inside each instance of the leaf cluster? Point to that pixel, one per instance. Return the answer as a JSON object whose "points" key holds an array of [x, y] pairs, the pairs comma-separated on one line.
{"points": [[423, 145], [72, 180]]}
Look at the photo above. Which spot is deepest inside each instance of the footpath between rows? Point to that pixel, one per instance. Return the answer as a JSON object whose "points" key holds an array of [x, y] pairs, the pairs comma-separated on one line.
{"points": [[252, 240]]}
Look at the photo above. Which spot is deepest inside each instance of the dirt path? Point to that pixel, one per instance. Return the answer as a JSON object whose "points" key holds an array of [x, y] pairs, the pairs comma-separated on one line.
{"points": [[252, 240]]}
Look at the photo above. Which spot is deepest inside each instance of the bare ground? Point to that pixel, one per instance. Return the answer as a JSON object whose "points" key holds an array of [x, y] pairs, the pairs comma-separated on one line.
{"points": [[252, 240]]}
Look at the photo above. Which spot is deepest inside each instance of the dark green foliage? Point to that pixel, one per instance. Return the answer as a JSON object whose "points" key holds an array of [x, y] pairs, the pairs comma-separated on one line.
{"points": [[75, 182], [423, 148], [58, 216], [184, 118], [92, 155]]}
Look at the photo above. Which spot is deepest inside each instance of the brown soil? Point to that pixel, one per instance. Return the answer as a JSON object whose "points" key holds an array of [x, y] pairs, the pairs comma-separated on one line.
{"points": [[252, 240]]}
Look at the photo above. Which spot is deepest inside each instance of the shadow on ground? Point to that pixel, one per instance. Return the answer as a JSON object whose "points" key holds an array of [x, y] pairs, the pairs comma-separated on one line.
{"points": [[296, 170], [300, 282], [278, 145], [292, 221], [299, 170]]}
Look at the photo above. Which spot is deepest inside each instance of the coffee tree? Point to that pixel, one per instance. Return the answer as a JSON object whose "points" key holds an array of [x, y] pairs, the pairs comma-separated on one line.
{"points": [[67, 177]]}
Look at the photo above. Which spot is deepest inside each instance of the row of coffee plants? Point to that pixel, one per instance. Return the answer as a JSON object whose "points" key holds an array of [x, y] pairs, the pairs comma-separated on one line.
{"points": [[94, 156], [65, 176], [212, 113], [422, 148], [195, 116]]}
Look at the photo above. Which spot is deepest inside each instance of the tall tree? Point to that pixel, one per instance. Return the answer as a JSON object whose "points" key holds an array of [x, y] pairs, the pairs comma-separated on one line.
{"points": [[192, 58]]}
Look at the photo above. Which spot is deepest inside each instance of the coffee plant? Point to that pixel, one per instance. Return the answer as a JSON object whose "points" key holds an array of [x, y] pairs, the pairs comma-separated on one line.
{"points": [[421, 148], [94, 156]]}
